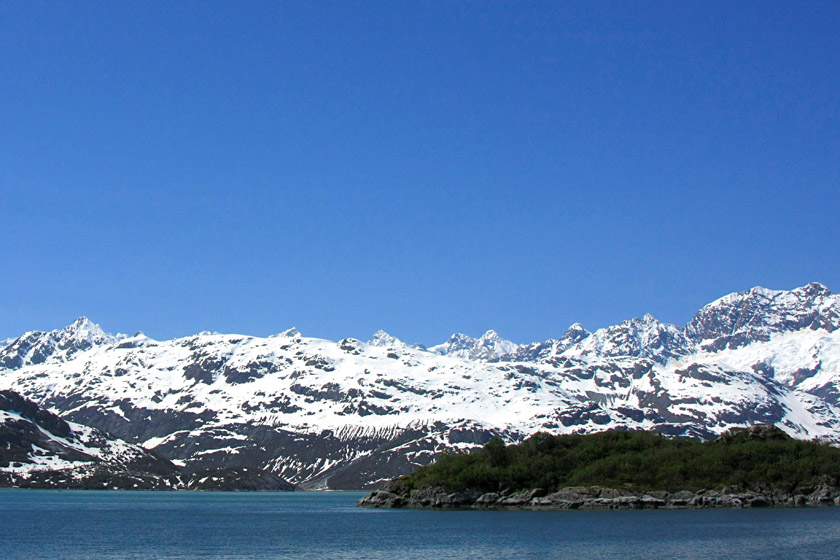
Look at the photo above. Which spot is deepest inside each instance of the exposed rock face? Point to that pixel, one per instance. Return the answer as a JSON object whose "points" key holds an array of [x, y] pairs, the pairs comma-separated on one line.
{"points": [[350, 414], [39, 449], [742, 318], [11, 401], [393, 495]]}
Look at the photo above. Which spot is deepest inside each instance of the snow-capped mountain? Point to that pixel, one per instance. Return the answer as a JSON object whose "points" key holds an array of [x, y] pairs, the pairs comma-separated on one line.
{"points": [[349, 414], [305, 408]]}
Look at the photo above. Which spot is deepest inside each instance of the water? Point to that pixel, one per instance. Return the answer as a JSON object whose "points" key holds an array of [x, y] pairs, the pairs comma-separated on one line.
{"points": [[168, 525]]}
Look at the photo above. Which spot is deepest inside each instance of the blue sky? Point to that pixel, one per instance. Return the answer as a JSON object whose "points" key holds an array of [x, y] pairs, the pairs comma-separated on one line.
{"points": [[419, 167]]}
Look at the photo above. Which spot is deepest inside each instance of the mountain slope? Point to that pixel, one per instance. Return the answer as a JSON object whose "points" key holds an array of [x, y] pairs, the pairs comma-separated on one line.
{"points": [[39, 449]]}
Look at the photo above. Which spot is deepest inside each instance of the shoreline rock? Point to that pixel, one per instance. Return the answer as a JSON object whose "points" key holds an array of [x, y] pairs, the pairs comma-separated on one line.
{"points": [[395, 495]]}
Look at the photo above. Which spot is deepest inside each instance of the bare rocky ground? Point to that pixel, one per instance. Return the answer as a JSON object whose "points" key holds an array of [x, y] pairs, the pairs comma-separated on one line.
{"points": [[395, 495]]}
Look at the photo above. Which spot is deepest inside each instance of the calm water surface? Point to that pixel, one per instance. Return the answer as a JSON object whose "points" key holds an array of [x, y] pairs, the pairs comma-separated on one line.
{"points": [[113, 524]]}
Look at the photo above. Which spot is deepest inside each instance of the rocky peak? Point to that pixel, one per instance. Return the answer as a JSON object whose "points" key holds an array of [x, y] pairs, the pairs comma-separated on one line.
{"points": [[83, 324], [489, 347], [499, 345], [814, 289], [740, 318], [644, 337], [533, 352], [539, 351], [36, 347], [381, 338], [84, 333], [456, 344], [576, 331]]}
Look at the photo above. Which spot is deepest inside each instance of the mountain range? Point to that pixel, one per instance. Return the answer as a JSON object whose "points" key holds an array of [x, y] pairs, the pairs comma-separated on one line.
{"points": [[351, 414]]}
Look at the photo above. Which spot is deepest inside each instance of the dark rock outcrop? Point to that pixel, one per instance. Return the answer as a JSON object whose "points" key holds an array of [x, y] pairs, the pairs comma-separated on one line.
{"points": [[394, 494]]}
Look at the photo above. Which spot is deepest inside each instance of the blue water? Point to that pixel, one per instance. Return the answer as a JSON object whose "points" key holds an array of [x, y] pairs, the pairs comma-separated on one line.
{"points": [[167, 525]]}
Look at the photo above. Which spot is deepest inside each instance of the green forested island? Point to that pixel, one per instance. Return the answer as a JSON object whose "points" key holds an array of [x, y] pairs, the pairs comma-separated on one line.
{"points": [[755, 466]]}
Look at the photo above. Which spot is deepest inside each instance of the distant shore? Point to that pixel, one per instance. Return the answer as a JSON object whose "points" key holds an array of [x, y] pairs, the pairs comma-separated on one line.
{"points": [[237, 479]]}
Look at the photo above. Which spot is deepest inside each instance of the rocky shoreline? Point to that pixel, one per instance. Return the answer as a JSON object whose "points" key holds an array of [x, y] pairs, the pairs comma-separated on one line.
{"points": [[395, 495]]}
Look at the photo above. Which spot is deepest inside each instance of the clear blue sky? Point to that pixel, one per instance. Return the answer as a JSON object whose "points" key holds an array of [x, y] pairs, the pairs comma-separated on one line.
{"points": [[423, 167]]}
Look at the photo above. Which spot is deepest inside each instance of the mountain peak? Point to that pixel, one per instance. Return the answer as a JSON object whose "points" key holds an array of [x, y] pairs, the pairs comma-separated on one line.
{"points": [[85, 333], [36, 347], [490, 346], [381, 338], [756, 293], [814, 289], [83, 324], [290, 333], [743, 317], [573, 334], [460, 337], [490, 335], [644, 337], [764, 292]]}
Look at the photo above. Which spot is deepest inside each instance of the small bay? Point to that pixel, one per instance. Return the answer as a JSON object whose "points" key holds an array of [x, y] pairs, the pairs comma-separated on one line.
{"points": [[169, 525]]}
